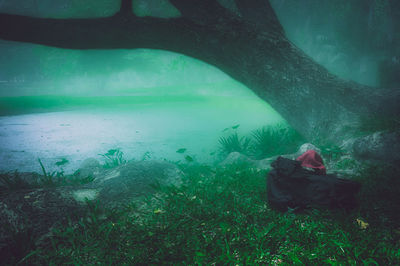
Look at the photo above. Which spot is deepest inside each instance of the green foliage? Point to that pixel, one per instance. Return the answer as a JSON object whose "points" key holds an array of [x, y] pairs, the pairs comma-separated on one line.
{"points": [[146, 156], [233, 143], [57, 178], [49, 179], [264, 142], [13, 181], [113, 158], [217, 216], [274, 140], [10, 182]]}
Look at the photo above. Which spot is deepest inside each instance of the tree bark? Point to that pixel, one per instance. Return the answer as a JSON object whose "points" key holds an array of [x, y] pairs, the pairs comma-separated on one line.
{"points": [[125, 9], [249, 47]]}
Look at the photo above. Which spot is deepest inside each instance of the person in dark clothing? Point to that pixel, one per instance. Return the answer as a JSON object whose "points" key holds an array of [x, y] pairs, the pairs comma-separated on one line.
{"points": [[290, 185]]}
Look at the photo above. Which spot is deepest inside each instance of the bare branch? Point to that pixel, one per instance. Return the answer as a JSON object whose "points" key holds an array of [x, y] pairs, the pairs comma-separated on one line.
{"points": [[260, 13]]}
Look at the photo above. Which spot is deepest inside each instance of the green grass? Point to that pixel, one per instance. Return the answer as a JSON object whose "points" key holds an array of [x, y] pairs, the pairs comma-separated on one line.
{"points": [[11, 181], [220, 216]]}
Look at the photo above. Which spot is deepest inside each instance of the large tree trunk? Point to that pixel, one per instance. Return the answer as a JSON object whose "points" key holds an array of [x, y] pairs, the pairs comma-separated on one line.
{"points": [[250, 46]]}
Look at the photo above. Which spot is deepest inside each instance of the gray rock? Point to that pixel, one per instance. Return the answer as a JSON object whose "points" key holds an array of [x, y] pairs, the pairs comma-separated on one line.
{"points": [[89, 167], [236, 157], [306, 147], [123, 183], [380, 146]]}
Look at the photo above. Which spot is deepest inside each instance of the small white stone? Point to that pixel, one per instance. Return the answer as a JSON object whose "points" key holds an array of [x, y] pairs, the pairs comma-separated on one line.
{"points": [[83, 194]]}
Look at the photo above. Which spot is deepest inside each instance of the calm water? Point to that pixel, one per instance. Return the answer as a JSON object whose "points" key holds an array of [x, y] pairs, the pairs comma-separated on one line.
{"points": [[156, 129]]}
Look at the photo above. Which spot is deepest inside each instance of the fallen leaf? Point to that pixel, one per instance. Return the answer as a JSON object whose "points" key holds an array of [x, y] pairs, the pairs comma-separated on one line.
{"points": [[363, 225]]}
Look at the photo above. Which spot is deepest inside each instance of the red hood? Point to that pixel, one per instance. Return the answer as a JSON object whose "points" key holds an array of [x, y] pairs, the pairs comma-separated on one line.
{"points": [[312, 159]]}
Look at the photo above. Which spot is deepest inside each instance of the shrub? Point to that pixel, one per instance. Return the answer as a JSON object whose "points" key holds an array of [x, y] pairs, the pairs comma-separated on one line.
{"points": [[234, 143], [264, 142], [274, 140]]}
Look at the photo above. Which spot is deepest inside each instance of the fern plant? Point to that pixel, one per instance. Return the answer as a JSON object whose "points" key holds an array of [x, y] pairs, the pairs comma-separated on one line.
{"points": [[274, 140], [234, 143], [264, 142]]}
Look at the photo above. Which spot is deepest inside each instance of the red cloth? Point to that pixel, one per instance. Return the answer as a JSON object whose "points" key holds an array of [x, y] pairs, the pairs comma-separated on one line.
{"points": [[313, 160]]}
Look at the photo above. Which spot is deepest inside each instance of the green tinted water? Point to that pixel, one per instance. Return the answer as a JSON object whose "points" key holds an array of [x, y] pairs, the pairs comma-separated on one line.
{"points": [[76, 128]]}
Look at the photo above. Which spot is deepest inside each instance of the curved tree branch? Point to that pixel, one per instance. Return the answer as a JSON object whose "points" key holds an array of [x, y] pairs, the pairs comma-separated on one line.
{"points": [[125, 9], [303, 92], [201, 11], [260, 13]]}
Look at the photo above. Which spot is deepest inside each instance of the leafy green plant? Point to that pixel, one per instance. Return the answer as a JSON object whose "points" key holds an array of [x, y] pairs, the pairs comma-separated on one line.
{"points": [[274, 140], [113, 158], [234, 143], [146, 156], [14, 181], [57, 178], [264, 142], [50, 179]]}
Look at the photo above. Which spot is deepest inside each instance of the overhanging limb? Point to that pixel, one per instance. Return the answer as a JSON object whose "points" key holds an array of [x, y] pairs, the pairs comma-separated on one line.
{"points": [[125, 9], [260, 13]]}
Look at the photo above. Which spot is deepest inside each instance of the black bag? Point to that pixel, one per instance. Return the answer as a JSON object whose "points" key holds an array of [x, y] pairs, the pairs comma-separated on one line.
{"points": [[291, 186]]}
